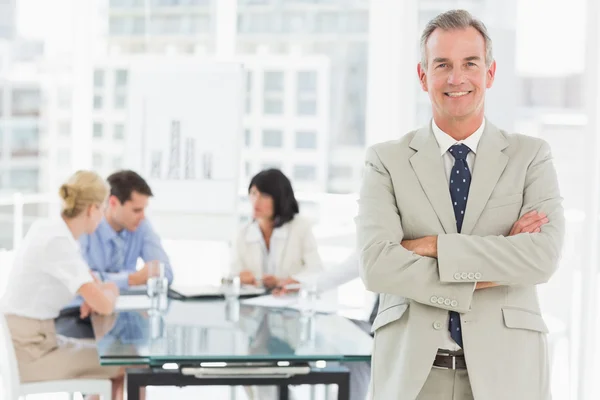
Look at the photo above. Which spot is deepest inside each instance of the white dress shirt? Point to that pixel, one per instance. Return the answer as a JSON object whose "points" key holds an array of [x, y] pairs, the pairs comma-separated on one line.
{"points": [[48, 270], [446, 141]]}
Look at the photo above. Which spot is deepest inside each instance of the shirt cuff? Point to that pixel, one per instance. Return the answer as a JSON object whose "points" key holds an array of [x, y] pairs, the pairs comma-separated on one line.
{"points": [[121, 279]]}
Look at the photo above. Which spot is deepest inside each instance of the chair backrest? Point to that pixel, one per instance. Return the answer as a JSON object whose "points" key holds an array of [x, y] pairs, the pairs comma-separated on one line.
{"points": [[9, 371]]}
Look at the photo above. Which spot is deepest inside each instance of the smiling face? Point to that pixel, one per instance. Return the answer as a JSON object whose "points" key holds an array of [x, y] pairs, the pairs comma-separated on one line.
{"points": [[456, 76]]}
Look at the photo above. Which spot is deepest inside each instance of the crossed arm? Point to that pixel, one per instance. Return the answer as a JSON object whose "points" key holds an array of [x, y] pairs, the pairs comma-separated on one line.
{"points": [[427, 246], [426, 267]]}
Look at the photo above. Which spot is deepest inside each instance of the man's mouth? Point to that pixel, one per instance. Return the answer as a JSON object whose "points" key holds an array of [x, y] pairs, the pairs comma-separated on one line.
{"points": [[457, 94]]}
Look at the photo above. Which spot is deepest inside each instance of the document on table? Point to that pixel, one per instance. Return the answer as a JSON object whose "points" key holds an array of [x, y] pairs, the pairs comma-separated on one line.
{"points": [[133, 302], [292, 302]]}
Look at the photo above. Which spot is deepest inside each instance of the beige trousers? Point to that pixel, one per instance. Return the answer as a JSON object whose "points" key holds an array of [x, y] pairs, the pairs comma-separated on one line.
{"points": [[446, 384], [43, 355]]}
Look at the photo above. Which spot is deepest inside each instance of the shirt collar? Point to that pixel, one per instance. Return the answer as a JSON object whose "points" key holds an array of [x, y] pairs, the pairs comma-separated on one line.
{"points": [[107, 233], [446, 141], [63, 225], [253, 233]]}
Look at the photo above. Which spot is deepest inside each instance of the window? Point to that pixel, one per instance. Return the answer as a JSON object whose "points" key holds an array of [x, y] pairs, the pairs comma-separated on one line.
{"points": [[119, 132], [121, 77], [269, 165], [247, 138], [307, 82], [64, 129], [97, 161], [326, 22], [340, 172], [272, 138], [25, 141], [305, 172], [306, 140], [273, 81], [117, 162], [273, 106], [97, 102], [98, 130], [119, 101], [98, 78], [26, 102], [306, 107], [24, 179], [248, 91]]}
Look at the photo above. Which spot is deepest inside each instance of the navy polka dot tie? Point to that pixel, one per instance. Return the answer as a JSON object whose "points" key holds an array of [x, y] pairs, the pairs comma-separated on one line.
{"points": [[460, 181]]}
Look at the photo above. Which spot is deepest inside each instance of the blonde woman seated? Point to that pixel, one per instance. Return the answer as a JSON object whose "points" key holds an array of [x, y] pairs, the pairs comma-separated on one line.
{"points": [[48, 272], [278, 243]]}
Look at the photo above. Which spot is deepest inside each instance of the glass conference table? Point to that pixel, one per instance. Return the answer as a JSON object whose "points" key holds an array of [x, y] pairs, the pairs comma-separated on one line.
{"points": [[213, 342]]}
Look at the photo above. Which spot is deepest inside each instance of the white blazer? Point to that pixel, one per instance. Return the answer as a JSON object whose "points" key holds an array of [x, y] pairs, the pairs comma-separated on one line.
{"points": [[292, 246]]}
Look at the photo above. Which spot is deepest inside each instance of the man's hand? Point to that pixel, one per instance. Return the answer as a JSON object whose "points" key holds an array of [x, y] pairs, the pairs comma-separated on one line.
{"points": [[282, 288], [270, 281], [425, 246], [247, 278], [529, 223], [84, 310], [139, 277]]}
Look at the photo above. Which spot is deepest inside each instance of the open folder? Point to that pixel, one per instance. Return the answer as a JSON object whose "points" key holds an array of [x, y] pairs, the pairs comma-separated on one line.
{"points": [[183, 291]]}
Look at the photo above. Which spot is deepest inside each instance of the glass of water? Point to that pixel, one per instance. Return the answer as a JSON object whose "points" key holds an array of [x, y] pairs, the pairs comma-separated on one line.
{"points": [[230, 286], [307, 298], [157, 287]]}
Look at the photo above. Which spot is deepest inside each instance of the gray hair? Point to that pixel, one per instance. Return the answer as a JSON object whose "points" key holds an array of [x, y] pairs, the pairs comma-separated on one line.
{"points": [[455, 19]]}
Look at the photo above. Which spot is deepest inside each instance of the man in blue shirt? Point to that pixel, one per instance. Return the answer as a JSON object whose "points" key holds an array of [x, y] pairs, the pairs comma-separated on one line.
{"points": [[112, 251], [124, 235]]}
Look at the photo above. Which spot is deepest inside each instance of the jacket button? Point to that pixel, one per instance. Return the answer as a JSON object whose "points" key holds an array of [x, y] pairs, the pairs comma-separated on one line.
{"points": [[437, 325], [471, 275], [457, 276], [440, 300], [447, 302], [454, 303], [433, 299], [464, 275], [477, 275]]}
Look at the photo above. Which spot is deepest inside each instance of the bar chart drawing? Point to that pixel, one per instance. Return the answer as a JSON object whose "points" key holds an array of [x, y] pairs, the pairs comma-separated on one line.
{"points": [[175, 165], [190, 158], [175, 150]]}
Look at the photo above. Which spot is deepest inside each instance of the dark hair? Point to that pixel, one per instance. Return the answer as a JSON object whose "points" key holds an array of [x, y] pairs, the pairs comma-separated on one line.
{"points": [[274, 183], [123, 183]]}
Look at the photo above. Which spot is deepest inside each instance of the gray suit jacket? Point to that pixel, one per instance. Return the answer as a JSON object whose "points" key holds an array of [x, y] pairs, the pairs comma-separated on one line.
{"points": [[405, 195]]}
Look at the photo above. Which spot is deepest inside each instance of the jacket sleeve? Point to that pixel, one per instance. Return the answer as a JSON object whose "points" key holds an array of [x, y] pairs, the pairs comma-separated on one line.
{"points": [[526, 258], [386, 266]]}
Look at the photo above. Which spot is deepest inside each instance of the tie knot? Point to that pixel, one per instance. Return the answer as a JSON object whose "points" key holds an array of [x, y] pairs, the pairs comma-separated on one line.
{"points": [[459, 151]]}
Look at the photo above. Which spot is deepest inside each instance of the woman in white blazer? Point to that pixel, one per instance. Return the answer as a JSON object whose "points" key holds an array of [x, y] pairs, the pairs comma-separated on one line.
{"points": [[277, 243]]}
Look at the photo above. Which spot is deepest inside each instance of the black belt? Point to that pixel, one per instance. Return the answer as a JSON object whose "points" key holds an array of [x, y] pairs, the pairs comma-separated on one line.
{"points": [[449, 361]]}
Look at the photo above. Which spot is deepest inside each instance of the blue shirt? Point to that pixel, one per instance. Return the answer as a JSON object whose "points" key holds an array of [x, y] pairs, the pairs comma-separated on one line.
{"points": [[144, 243]]}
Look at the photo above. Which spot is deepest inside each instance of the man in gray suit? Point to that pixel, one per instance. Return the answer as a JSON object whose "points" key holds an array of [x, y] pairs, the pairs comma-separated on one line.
{"points": [[458, 222]]}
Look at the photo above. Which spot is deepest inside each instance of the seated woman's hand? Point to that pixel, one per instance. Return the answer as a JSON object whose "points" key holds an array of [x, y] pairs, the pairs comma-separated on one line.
{"points": [[283, 287], [270, 281], [247, 278]]}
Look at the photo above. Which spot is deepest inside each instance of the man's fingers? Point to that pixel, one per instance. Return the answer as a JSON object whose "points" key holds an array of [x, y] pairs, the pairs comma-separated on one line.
{"points": [[535, 225]]}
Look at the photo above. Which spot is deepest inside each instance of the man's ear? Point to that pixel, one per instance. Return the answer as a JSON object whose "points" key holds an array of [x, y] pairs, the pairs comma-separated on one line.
{"points": [[113, 201], [491, 74], [422, 77]]}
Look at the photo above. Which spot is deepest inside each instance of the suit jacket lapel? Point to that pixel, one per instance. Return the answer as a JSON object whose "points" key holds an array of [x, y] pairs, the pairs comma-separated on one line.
{"points": [[428, 166], [490, 162]]}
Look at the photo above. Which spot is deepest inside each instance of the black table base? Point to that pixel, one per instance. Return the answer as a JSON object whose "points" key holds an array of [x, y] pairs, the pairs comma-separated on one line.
{"points": [[334, 375]]}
